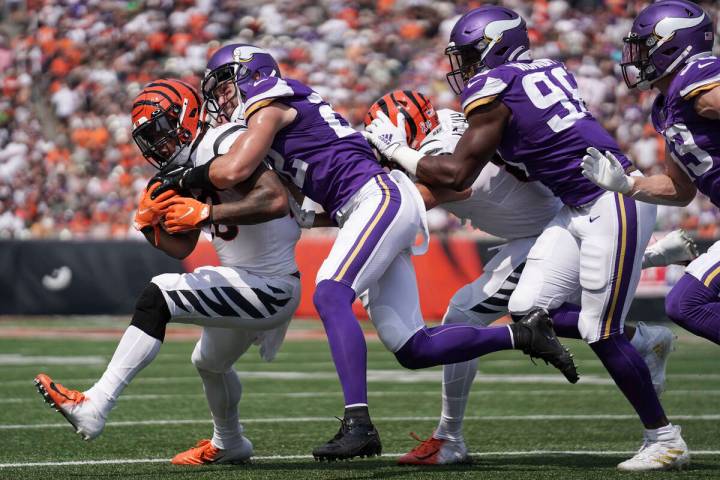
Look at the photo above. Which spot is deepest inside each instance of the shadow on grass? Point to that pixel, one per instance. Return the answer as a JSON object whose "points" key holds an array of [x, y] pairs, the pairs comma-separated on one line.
{"points": [[535, 466]]}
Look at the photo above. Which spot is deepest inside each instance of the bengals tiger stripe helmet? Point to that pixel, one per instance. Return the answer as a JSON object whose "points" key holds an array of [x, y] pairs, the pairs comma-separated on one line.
{"points": [[166, 117], [420, 115]]}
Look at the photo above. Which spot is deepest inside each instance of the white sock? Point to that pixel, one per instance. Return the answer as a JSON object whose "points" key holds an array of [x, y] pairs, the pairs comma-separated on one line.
{"points": [[223, 391], [134, 352], [661, 434], [457, 380]]}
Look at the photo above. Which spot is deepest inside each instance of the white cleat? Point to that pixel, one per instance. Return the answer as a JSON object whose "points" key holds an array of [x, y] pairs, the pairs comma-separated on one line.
{"points": [[660, 451], [435, 451], [656, 345], [75, 406], [675, 248]]}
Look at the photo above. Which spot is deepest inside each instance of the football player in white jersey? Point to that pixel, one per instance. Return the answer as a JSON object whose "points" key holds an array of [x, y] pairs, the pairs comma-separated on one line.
{"points": [[506, 205], [250, 299]]}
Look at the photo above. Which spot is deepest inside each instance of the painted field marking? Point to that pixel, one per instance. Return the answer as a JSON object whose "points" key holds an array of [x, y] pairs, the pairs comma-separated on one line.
{"points": [[120, 461], [488, 418], [576, 391]]}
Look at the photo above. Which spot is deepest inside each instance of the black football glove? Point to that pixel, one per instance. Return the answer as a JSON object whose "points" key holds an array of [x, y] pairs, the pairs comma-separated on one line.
{"points": [[182, 179]]}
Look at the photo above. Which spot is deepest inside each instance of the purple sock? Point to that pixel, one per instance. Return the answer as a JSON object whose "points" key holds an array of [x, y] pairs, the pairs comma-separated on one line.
{"points": [[632, 376], [565, 320], [695, 307], [452, 343], [333, 301]]}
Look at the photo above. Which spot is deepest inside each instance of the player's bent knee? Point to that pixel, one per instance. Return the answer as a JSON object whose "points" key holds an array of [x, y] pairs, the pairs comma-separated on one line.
{"points": [[331, 296], [204, 363], [520, 303], [413, 355], [151, 312]]}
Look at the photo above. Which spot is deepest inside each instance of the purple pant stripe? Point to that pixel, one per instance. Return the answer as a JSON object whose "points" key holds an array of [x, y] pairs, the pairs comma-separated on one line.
{"points": [[379, 222], [709, 272], [627, 229], [628, 262]]}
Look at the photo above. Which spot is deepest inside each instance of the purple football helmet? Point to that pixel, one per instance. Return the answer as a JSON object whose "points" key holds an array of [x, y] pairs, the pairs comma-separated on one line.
{"points": [[230, 72], [484, 38], [663, 37]]}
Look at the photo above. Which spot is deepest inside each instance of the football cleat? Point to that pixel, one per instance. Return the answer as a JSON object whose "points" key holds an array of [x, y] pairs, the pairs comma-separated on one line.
{"points": [[357, 437], [205, 453], [435, 451], [77, 409], [666, 451], [658, 343], [535, 336], [675, 248]]}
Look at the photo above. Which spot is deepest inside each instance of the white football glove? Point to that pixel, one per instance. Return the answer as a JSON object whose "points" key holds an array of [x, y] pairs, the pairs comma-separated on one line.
{"points": [[606, 171], [385, 135], [304, 218]]}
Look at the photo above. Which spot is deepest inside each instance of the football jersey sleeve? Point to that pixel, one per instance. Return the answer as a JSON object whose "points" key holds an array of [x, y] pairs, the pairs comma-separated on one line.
{"points": [[700, 76], [217, 141], [483, 88], [264, 92]]}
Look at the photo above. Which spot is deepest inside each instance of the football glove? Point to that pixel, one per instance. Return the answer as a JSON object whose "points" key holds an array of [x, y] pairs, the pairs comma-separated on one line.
{"points": [[304, 218], [150, 210], [606, 171], [386, 136], [183, 178], [185, 213]]}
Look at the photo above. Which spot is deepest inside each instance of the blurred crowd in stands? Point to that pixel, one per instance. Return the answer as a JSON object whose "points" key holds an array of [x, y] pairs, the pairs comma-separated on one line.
{"points": [[69, 69]]}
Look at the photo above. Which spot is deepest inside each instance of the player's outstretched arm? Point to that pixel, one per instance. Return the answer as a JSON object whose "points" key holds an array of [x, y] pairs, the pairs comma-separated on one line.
{"points": [[475, 149], [673, 187], [249, 150], [265, 199], [707, 104]]}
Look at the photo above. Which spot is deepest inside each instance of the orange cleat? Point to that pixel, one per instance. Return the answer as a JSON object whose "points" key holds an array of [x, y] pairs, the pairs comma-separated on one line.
{"points": [[77, 409], [435, 451], [205, 453]]}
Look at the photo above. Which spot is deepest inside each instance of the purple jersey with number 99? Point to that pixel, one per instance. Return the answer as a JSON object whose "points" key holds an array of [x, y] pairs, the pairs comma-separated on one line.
{"points": [[549, 130], [319, 152], [693, 140]]}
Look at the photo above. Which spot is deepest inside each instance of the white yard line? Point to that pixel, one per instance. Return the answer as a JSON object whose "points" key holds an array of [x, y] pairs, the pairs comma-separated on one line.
{"points": [[575, 391], [501, 418], [529, 453]]}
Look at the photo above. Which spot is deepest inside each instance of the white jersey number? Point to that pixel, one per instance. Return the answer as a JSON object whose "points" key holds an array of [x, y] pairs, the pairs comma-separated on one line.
{"points": [[552, 84], [681, 142]]}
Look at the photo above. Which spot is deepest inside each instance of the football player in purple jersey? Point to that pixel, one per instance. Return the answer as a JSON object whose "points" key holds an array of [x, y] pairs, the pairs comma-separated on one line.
{"points": [[379, 216], [529, 111], [669, 49]]}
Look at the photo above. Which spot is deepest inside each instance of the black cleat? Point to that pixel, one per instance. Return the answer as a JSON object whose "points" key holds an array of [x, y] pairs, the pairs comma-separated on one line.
{"points": [[357, 437], [535, 336]]}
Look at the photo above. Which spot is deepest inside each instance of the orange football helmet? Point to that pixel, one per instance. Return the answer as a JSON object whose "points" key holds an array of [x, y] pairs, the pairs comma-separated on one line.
{"points": [[166, 117], [420, 115]]}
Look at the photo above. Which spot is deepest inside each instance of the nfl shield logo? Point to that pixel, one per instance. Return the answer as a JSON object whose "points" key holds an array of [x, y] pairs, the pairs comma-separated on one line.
{"points": [[708, 35]]}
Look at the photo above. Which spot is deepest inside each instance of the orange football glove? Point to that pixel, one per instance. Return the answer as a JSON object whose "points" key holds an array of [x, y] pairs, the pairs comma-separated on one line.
{"points": [[150, 211], [184, 213]]}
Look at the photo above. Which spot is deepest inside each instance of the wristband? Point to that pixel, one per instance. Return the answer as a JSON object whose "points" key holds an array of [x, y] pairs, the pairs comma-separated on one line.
{"points": [[198, 177], [407, 158]]}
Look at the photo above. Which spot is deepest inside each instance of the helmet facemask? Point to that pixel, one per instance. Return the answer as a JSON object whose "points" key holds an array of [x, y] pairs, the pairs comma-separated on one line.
{"points": [[162, 139], [221, 92], [465, 62]]}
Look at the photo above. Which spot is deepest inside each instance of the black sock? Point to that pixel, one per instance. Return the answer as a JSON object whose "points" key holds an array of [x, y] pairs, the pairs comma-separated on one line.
{"points": [[357, 413]]}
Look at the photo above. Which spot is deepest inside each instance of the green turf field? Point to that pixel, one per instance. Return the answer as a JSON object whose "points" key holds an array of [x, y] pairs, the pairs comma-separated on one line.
{"points": [[524, 420]]}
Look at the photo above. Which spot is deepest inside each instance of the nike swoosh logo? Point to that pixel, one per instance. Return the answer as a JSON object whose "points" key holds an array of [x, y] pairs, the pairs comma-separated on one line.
{"points": [[473, 81], [189, 212], [425, 457], [593, 219], [700, 67]]}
